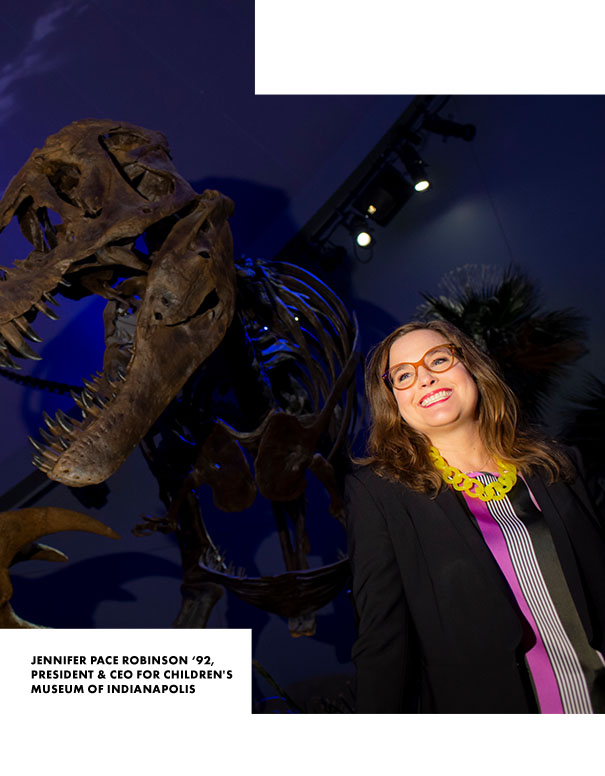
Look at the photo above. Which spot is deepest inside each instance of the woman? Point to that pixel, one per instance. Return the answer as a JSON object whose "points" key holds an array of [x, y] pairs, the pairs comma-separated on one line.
{"points": [[478, 562]]}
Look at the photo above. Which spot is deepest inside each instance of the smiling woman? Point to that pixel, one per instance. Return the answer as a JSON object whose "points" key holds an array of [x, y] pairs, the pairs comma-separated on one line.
{"points": [[478, 561]]}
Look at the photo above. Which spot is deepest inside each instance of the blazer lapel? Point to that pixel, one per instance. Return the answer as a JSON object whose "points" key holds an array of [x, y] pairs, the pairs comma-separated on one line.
{"points": [[556, 520]]}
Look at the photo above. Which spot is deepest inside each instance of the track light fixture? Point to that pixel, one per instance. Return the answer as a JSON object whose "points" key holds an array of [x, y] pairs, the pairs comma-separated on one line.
{"points": [[449, 128], [379, 187], [384, 195], [415, 167]]}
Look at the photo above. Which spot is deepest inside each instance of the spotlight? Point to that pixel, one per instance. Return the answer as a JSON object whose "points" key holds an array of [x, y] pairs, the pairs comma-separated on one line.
{"points": [[415, 167], [361, 233], [449, 128], [364, 239], [384, 195]]}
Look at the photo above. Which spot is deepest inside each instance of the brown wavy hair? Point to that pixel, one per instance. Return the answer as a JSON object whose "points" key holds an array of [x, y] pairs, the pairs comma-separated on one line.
{"points": [[399, 452]]}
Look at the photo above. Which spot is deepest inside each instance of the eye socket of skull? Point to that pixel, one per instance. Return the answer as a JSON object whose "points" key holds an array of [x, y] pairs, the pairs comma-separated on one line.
{"points": [[64, 178]]}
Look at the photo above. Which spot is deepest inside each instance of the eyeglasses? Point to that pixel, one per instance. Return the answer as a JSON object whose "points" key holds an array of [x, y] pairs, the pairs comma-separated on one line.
{"points": [[438, 359]]}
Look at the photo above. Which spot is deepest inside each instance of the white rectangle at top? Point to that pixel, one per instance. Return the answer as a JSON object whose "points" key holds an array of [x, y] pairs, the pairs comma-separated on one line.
{"points": [[397, 47]]}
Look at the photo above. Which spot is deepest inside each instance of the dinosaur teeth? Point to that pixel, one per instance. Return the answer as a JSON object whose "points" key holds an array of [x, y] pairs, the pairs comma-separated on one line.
{"points": [[7, 361], [48, 438], [79, 402], [44, 309], [121, 374], [65, 283], [50, 455], [50, 298], [56, 443], [27, 352], [64, 443], [53, 426], [15, 340], [41, 464], [65, 422], [25, 329], [89, 402], [39, 447], [88, 411]]}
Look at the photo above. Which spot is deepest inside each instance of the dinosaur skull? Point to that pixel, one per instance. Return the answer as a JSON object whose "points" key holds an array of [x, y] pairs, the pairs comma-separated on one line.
{"points": [[106, 212]]}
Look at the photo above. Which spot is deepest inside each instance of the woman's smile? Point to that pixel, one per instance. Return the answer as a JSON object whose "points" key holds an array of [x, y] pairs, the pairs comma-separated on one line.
{"points": [[435, 397]]}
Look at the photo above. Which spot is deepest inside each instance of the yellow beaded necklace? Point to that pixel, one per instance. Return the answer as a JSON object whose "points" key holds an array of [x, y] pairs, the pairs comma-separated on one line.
{"points": [[495, 491]]}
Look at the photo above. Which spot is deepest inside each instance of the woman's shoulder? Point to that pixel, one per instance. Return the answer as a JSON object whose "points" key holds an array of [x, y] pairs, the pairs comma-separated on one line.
{"points": [[377, 484], [364, 473]]}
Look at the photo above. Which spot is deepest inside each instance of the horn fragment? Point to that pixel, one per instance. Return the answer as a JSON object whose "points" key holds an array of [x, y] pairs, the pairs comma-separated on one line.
{"points": [[19, 530]]}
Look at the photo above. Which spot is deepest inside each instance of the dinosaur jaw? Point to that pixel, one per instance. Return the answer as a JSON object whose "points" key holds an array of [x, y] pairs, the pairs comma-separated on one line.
{"points": [[178, 316], [118, 409]]}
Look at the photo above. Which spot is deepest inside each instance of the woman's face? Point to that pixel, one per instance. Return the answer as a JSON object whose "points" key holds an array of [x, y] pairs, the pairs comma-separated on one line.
{"points": [[437, 401]]}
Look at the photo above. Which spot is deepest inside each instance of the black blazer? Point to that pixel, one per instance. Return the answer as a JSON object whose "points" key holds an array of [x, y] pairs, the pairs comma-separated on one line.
{"points": [[438, 625]]}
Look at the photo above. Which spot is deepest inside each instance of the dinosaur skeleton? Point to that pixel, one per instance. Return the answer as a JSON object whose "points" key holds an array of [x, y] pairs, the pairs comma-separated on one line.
{"points": [[107, 213]]}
